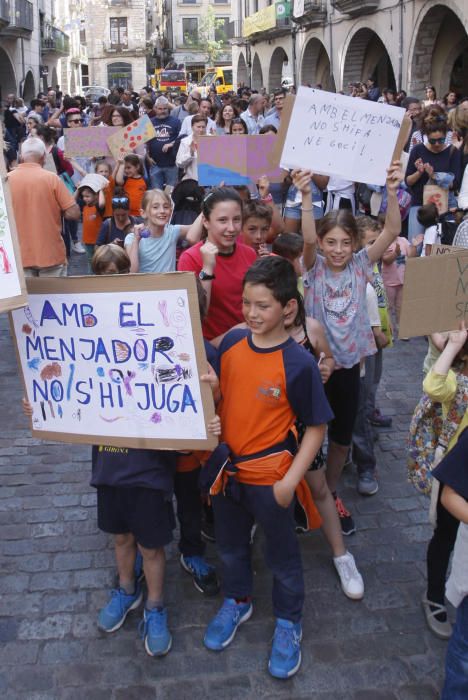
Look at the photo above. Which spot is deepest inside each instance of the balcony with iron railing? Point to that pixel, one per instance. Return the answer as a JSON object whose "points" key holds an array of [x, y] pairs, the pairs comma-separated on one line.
{"points": [[354, 8], [4, 13], [54, 41], [131, 47], [315, 14], [21, 19]]}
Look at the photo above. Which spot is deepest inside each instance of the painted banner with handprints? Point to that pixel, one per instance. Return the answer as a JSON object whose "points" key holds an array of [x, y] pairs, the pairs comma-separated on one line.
{"points": [[115, 360]]}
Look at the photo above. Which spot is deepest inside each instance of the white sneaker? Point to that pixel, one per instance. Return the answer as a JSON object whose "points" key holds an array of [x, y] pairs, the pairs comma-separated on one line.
{"points": [[77, 247], [351, 580]]}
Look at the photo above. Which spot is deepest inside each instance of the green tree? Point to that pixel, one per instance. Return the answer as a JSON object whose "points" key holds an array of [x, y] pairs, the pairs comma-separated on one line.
{"points": [[211, 35]]}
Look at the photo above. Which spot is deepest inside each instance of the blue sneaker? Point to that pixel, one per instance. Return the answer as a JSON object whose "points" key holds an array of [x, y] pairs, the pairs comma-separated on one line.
{"points": [[112, 615], [154, 631], [223, 627], [285, 657], [203, 575]]}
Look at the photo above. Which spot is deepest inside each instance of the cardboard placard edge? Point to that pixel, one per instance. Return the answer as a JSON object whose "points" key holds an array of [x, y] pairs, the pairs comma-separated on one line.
{"points": [[21, 299]]}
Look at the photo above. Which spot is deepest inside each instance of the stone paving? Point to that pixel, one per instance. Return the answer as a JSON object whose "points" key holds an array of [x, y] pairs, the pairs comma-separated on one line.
{"points": [[56, 569]]}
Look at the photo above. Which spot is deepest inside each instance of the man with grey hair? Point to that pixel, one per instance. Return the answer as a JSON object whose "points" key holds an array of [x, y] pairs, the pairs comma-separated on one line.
{"points": [[160, 153], [39, 200], [253, 116]]}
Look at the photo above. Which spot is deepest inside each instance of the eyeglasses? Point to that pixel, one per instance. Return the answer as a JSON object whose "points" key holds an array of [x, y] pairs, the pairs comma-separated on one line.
{"points": [[75, 121], [120, 202], [434, 141]]}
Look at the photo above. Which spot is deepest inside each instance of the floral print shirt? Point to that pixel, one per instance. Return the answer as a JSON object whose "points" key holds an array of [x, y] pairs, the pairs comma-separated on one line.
{"points": [[338, 301]]}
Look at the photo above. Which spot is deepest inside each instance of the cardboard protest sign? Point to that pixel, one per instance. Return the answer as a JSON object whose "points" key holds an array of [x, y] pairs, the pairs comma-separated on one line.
{"points": [[126, 139], [88, 141], [333, 134], [115, 361], [252, 157], [440, 249], [435, 294], [12, 284]]}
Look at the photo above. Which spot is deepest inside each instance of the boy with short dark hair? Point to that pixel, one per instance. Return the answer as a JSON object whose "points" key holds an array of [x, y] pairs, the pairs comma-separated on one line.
{"points": [[256, 223], [266, 370]]}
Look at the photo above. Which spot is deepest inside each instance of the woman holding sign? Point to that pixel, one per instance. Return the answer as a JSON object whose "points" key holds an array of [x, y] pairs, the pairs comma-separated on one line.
{"points": [[427, 160]]}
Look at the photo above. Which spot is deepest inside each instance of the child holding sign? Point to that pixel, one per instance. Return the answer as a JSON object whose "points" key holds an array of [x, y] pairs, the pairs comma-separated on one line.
{"points": [[335, 281]]}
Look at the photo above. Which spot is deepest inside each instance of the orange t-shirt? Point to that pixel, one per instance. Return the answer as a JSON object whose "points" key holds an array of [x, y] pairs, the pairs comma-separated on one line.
{"points": [[135, 188], [92, 222], [108, 194], [39, 197]]}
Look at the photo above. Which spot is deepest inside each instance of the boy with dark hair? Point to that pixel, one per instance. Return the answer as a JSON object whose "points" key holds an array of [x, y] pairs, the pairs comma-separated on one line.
{"points": [[261, 466], [256, 223]]}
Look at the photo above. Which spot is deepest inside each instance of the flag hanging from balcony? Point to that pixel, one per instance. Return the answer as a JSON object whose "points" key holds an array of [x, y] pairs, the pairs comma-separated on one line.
{"points": [[298, 8]]}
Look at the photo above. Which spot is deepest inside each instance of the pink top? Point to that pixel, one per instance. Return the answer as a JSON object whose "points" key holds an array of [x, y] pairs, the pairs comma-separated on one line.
{"points": [[394, 274]]}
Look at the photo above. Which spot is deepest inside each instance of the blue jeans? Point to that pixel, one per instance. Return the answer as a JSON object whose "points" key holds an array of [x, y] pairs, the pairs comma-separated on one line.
{"points": [[414, 227], [456, 661], [160, 177], [234, 517]]}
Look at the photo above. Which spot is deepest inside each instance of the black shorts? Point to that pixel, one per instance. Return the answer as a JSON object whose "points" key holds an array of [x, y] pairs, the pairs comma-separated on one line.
{"points": [[342, 390], [145, 513]]}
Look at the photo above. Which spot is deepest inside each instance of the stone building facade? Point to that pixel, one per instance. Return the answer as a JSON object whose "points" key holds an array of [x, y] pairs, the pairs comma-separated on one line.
{"points": [[186, 42], [40, 46], [407, 44], [116, 40]]}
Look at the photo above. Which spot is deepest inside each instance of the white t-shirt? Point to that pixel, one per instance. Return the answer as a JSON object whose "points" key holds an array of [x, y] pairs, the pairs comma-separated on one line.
{"points": [[431, 237], [372, 306]]}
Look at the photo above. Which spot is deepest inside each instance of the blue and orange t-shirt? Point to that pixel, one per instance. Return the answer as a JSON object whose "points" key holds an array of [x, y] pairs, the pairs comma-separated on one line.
{"points": [[264, 391]]}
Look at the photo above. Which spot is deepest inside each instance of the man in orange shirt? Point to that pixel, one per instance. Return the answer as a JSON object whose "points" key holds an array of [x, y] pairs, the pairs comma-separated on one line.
{"points": [[39, 200]]}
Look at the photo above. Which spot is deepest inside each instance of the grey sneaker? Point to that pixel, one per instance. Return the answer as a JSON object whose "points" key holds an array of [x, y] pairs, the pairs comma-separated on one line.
{"points": [[367, 484]]}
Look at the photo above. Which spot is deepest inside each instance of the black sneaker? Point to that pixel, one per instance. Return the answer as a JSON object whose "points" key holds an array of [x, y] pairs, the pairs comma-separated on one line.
{"points": [[347, 523], [204, 575]]}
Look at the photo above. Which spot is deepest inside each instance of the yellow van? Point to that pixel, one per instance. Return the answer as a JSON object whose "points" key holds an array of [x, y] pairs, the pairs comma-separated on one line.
{"points": [[220, 77]]}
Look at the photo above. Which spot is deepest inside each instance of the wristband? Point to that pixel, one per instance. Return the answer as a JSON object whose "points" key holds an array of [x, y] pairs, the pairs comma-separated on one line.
{"points": [[307, 209]]}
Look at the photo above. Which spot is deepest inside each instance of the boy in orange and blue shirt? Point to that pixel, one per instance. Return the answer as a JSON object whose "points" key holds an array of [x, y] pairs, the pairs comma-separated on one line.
{"points": [[266, 382]]}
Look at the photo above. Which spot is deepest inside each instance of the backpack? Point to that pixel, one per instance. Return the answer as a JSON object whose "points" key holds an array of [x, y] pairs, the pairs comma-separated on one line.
{"points": [[429, 434]]}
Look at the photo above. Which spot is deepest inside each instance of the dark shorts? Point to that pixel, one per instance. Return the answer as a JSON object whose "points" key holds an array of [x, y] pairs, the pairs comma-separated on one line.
{"points": [[342, 390], [145, 513]]}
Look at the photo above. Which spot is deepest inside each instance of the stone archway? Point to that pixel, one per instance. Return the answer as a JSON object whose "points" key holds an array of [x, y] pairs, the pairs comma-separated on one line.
{"points": [[29, 87], [278, 58], [367, 57], [315, 66], [242, 72], [257, 73], [7, 76], [440, 53]]}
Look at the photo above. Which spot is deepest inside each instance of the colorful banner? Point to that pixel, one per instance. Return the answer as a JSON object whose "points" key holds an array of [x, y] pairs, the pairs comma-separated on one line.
{"points": [[115, 360], [249, 157], [88, 141], [260, 21], [130, 137]]}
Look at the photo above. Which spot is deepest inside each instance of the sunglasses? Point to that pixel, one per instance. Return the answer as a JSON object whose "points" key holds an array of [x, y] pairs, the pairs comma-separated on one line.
{"points": [[434, 141], [120, 202], [75, 121]]}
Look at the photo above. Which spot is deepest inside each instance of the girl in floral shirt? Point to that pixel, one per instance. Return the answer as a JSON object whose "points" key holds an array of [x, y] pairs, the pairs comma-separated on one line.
{"points": [[335, 279]]}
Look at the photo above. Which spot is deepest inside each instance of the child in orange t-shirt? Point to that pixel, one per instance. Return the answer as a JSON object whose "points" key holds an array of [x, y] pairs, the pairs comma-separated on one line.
{"points": [[129, 173], [94, 203], [103, 168]]}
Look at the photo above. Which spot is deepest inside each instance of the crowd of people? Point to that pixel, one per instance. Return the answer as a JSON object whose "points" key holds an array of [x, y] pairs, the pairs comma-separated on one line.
{"points": [[300, 282]]}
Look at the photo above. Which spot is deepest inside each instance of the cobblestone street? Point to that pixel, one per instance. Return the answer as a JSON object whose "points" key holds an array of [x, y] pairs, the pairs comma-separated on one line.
{"points": [[57, 569]]}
